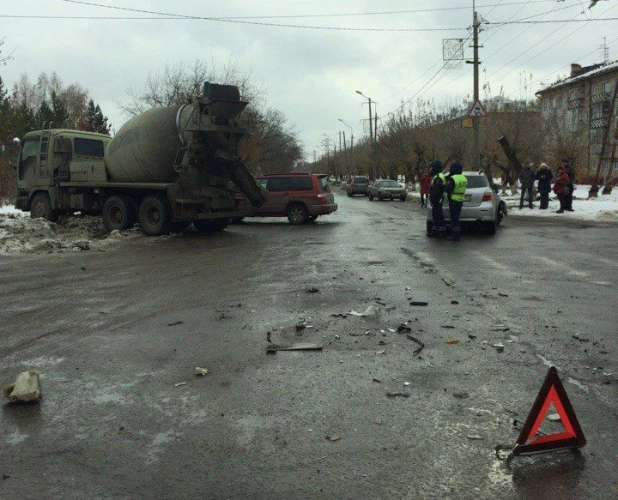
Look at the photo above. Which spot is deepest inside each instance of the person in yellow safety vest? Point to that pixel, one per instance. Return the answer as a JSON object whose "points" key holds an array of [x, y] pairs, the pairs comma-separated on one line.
{"points": [[456, 189], [436, 194]]}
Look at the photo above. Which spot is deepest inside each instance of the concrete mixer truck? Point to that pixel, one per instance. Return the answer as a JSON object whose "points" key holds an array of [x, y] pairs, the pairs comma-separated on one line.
{"points": [[165, 168]]}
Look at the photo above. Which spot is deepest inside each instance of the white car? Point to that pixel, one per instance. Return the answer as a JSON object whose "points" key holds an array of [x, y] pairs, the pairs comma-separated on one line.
{"points": [[482, 206]]}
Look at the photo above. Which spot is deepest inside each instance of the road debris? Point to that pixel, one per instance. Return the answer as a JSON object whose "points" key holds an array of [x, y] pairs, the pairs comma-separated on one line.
{"points": [[313, 290], [500, 328], [419, 303], [301, 325], [377, 380], [370, 312], [454, 302], [503, 294], [201, 371], [420, 344], [403, 328], [392, 330], [302, 346], [180, 384], [450, 341], [175, 323], [499, 347], [383, 351], [406, 383], [333, 439], [26, 389], [581, 339], [461, 395], [447, 326], [398, 394], [474, 436]]}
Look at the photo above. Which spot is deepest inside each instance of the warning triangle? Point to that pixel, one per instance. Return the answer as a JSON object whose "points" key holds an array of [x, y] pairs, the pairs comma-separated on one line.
{"points": [[477, 110], [552, 391]]}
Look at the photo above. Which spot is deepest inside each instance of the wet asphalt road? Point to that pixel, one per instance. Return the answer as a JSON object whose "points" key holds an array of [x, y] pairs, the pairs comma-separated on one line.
{"points": [[113, 333]]}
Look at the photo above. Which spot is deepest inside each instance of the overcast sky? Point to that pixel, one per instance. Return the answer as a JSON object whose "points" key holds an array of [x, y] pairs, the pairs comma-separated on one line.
{"points": [[310, 74]]}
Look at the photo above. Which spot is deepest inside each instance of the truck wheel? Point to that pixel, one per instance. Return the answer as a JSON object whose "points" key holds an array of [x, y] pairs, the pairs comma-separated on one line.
{"points": [[210, 226], [118, 213], [297, 214], [154, 216], [40, 208]]}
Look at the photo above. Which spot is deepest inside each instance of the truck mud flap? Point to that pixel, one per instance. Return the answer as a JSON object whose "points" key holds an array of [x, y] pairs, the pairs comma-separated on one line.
{"points": [[242, 178]]}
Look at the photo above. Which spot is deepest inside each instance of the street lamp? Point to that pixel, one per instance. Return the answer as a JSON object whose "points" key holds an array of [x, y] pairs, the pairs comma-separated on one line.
{"points": [[371, 140], [351, 145]]}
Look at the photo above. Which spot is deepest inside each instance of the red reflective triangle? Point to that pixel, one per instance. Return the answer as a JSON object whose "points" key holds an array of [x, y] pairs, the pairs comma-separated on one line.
{"points": [[552, 391]]}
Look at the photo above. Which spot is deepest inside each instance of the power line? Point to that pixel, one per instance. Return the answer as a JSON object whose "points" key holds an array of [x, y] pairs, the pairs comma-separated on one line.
{"points": [[555, 21], [300, 16]]}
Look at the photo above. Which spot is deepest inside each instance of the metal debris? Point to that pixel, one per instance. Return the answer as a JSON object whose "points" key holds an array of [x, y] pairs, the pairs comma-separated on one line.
{"points": [[175, 323], [396, 394], [421, 345]]}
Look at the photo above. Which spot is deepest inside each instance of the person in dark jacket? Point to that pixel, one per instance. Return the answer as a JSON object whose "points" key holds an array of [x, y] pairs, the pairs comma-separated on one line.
{"points": [[560, 184], [526, 177], [456, 189], [544, 176], [436, 194], [568, 193]]}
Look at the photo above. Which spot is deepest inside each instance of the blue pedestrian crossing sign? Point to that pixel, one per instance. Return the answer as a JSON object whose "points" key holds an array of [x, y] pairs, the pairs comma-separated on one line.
{"points": [[477, 110]]}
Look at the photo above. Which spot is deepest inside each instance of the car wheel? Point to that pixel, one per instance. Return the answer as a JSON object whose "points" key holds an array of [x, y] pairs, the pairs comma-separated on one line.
{"points": [[403, 197], [380, 197], [350, 195], [210, 226], [312, 218], [500, 215], [370, 196], [154, 216], [429, 227], [491, 228], [297, 214], [41, 208], [118, 213]]}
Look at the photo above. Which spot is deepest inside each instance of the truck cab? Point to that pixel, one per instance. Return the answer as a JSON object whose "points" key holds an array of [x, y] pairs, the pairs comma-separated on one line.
{"points": [[50, 157]]}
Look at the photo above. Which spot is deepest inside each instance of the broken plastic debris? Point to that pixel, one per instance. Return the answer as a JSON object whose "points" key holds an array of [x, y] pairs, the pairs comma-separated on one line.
{"points": [[333, 439], [370, 312], [179, 384], [27, 388], [499, 347], [201, 371], [474, 436], [450, 341], [406, 383], [303, 346]]}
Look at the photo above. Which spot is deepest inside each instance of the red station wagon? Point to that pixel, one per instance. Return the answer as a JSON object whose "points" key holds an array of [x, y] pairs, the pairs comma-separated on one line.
{"points": [[300, 197]]}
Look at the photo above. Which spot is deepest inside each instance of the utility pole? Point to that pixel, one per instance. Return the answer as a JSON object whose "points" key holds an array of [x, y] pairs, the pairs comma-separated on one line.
{"points": [[345, 149], [372, 142], [476, 62], [351, 162]]}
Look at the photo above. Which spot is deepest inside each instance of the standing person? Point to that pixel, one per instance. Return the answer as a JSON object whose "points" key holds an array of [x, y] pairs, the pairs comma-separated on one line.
{"points": [[568, 193], [526, 177], [436, 194], [425, 188], [560, 185], [544, 176], [456, 189]]}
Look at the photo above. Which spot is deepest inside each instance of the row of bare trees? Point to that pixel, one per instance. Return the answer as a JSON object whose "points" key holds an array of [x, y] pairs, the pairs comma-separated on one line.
{"points": [[409, 141]]}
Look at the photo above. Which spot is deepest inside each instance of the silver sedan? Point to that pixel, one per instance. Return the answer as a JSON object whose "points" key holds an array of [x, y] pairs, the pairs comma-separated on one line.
{"points": [[386, 189]]}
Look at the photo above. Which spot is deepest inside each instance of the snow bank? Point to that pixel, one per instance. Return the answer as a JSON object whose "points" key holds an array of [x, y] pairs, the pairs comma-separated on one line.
{"points": [[21, 234]]}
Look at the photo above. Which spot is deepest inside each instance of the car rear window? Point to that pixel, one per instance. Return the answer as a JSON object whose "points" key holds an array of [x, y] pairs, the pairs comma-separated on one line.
{"points": [[477, 181], [361, 180], [290, 184], [390, 184]]}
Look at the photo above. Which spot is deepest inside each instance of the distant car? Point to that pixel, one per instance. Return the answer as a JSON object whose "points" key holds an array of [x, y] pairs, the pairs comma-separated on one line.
{"points": [[386, 189], [482, 206], [358, 185], [300, 197]]}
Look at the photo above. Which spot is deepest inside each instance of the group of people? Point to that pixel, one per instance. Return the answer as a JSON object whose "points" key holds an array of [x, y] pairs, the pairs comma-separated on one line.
{"points": [[434, 186], [563, 185]]}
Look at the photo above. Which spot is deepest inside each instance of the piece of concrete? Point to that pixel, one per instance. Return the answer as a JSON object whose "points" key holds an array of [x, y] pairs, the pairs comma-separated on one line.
{"points": [[27, 388]]}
